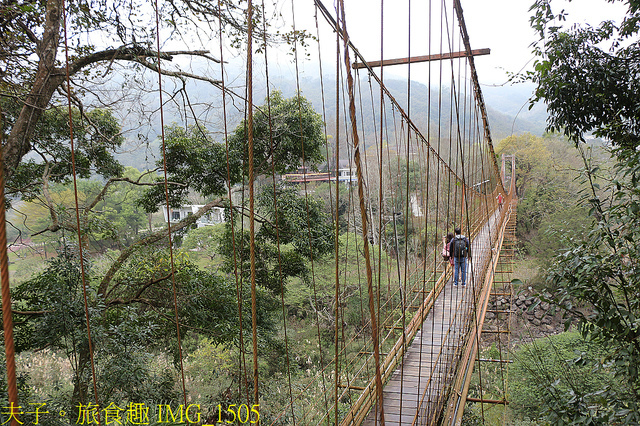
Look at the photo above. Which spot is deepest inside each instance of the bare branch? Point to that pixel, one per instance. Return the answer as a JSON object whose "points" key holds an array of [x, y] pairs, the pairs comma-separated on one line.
{"points": [[178, 74], [119, 301], [100, 196], [155, 237]]}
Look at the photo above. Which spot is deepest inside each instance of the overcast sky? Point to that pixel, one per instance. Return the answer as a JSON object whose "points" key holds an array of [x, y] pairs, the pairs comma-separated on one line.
{"points": [[501, 25]]}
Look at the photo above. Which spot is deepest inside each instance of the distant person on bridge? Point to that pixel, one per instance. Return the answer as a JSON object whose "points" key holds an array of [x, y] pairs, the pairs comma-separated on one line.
{"points": [[500, 200], [446, 248], [460, 249]]}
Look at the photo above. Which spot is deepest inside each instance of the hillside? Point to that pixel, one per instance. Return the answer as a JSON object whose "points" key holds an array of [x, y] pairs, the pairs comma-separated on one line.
{"points": [[507, 107]]}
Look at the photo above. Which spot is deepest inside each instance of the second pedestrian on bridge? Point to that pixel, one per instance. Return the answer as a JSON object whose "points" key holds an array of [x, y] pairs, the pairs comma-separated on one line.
{"points": [[460, 249]]}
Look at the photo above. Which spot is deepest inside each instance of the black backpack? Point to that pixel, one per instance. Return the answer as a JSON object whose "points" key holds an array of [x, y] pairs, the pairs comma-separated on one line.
{"points": [[459, 247]]}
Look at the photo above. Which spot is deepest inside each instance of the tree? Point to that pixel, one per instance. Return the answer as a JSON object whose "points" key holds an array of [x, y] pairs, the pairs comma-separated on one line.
{"points": [[292, 232], [130, 291], [101, 36], [114, 221], [291, 126], [41, 179], [97, 134], [129, 323], [197, 162], [588, 89]]}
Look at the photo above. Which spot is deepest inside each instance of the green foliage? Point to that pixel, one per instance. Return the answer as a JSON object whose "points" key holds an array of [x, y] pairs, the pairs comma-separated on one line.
{"points": [[24, 391], [114, 219], [586, 87], [123, 220], [96, 135], [284, 132], [560, 378], [129, 322], [205, 240], [548, 210], [301, 220], [351, 264], [599, 271], [195, 162], [301, 227], [209, 365], [57, 294]]}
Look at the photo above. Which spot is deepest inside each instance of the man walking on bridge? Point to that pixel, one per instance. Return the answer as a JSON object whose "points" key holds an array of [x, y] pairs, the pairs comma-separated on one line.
{"points": [[460, 249]]}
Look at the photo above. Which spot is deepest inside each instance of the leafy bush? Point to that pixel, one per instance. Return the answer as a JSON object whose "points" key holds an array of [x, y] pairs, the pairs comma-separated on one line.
{"points": [[552, 374]]}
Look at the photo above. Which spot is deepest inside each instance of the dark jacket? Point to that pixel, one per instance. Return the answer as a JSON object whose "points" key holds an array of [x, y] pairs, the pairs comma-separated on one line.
{"points": [[466, 241]]}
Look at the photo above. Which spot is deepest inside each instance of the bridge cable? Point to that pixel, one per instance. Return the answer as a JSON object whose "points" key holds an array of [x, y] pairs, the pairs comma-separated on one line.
{"points": [[306, 193], [166, 191], [406, 212], [77, 206], [277, 216], [252, 233], [354, 131], [7, 319], [242, 364]]}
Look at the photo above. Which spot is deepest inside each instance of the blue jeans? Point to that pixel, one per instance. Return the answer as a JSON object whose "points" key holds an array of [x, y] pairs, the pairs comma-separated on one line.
{"points": [[457, 265]]}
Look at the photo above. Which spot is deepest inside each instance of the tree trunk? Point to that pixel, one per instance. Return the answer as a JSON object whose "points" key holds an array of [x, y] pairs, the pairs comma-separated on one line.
{"points": [[81, 386], [46, 81]]}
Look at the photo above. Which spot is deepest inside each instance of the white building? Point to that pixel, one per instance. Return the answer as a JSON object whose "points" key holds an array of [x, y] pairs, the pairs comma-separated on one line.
{"points": [[213, 217], [347, 175]]}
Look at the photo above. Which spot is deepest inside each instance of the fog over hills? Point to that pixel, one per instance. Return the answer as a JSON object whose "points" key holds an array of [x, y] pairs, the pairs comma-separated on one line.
{"points": [[507, 106]]}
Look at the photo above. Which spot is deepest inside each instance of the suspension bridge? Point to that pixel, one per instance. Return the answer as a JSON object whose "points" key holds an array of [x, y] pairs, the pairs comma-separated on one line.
{"points": [[395, 342], [415, 359]]}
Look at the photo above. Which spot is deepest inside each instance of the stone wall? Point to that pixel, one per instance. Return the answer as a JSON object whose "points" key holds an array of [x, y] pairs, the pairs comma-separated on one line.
{"points": [[527, 308]]}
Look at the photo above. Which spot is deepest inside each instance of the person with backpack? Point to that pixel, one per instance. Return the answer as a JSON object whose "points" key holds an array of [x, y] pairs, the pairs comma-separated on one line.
{"points": [[460, 249]]}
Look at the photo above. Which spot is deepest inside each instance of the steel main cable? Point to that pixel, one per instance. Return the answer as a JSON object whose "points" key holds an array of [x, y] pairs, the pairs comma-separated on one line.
{"points": [[458, 12], [252, 233], [367, 257], [335, 219]]}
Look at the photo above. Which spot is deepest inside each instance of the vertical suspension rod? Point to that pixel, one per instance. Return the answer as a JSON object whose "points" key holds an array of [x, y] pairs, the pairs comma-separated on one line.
{"points": [[7, 320], [252, 240], [363, 212]]}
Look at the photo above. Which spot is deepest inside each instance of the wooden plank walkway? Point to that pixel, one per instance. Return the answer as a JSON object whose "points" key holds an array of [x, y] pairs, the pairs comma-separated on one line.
{"points": [[416, 391]]}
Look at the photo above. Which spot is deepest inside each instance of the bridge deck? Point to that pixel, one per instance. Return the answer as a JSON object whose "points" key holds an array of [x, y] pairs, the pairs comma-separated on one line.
{"points": [[415, 389]]}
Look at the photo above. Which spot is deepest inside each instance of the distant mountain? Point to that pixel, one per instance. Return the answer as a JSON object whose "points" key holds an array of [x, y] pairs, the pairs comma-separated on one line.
{"points": [[509, 113], [507, 107]]}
